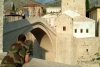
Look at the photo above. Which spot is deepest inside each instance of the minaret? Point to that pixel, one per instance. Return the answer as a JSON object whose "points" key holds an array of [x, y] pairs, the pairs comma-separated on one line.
{"points": [[1, 25], [74, 5]]}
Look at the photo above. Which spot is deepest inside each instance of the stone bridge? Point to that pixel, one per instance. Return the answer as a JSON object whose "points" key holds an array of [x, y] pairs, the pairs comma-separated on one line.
{"points": [[41, 34], [37, 30]]}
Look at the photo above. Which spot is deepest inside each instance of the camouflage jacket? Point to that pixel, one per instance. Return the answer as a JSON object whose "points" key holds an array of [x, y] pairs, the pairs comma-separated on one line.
{"points": [[16, 54]]}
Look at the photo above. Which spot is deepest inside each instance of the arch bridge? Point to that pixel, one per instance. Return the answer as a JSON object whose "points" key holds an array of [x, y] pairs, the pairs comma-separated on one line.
{"points": [[36, 29]]}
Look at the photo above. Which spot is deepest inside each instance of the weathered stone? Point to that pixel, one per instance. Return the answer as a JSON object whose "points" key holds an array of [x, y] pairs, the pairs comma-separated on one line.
{"points": [[2, 56], [43, 63], [1, 25], [74, 5]]}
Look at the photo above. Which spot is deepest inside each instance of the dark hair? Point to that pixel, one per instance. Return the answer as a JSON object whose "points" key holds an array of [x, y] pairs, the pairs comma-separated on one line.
{"points": [[21, 37]]}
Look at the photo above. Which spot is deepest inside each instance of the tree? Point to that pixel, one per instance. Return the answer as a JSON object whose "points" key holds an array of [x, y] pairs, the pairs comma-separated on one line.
{"points": [[87, 5], [87, 8], [13, 7]]}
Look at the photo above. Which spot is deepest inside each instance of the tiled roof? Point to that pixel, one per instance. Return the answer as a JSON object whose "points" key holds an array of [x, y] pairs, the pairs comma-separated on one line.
{"points": [[8, 11], [31, 5], [82, 18]]}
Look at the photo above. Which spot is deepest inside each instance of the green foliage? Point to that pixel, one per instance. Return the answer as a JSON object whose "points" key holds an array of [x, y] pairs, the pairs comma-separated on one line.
{"points": [[87, 5], [13, 7], [44, 11]]}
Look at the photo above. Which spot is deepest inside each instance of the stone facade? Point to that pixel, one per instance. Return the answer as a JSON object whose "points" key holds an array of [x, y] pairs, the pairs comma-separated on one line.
{"points": [[50, 19], [87, 48], [64, 48], [74, 5], [83, 31], [35, 11]]}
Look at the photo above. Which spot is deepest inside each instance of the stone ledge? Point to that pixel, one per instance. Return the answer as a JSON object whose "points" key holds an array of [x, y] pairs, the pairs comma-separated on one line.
{"points": [[2, 55], [43, 63]]}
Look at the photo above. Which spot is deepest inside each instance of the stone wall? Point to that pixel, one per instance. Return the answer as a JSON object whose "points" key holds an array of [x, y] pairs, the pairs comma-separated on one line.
{"points": [[87, 48], [1, 25], [74, 5], [64, 48], [43, 63]]}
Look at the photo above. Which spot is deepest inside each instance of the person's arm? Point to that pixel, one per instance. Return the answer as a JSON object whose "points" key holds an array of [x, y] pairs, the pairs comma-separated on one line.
{"points": [[27, 58]]}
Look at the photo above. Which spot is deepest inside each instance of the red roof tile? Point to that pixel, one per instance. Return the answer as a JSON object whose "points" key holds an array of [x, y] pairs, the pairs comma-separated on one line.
{"points": [[31, 5]]}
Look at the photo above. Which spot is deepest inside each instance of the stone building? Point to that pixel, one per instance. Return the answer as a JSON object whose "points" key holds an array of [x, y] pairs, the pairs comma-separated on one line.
{"points": [[76, 35], [34, 9], [80, 30], [53, 9], [50, 19], [83, 31], [94, 13]]}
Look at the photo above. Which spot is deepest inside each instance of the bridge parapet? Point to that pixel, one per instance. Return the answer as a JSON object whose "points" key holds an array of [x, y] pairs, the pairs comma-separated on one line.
{"points": [[10, 19], [26, 22], [43, 63]]}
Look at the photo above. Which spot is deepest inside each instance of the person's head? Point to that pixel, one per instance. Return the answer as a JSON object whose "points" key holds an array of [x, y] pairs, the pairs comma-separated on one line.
{"points": [[21, 37]]}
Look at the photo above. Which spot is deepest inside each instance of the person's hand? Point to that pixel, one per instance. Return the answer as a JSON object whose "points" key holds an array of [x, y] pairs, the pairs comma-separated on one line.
{"points": [[27, 58]]}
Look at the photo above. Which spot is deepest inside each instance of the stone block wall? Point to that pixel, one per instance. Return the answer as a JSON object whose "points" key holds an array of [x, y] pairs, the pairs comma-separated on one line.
{"points": [[87, 48], [64, 45], [74, 5], [1, 25], [43, 63]]}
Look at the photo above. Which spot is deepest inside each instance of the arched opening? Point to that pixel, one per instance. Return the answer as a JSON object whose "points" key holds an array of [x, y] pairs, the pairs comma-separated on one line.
{"points": [[42, 46]]}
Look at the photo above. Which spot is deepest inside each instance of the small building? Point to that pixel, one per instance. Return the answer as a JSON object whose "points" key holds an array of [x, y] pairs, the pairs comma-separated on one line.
{"points": [[80, 30], [53, 9], [50, 19], [34, 9], [94, 13], [83, 27]]}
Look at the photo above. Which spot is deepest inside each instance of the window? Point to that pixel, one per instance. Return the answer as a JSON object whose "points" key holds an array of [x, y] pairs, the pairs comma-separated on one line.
{"points": [[81, 31], [87, 30], [86, 50], [75, 30], [64, 28]]}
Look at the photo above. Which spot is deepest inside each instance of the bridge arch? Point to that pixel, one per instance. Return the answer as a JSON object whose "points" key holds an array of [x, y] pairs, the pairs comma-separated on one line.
{"points": [[44, 47]]}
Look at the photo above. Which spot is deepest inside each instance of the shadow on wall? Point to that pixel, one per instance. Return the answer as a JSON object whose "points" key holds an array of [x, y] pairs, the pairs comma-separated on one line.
{"points": [[11, 30], [36, 51]]}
